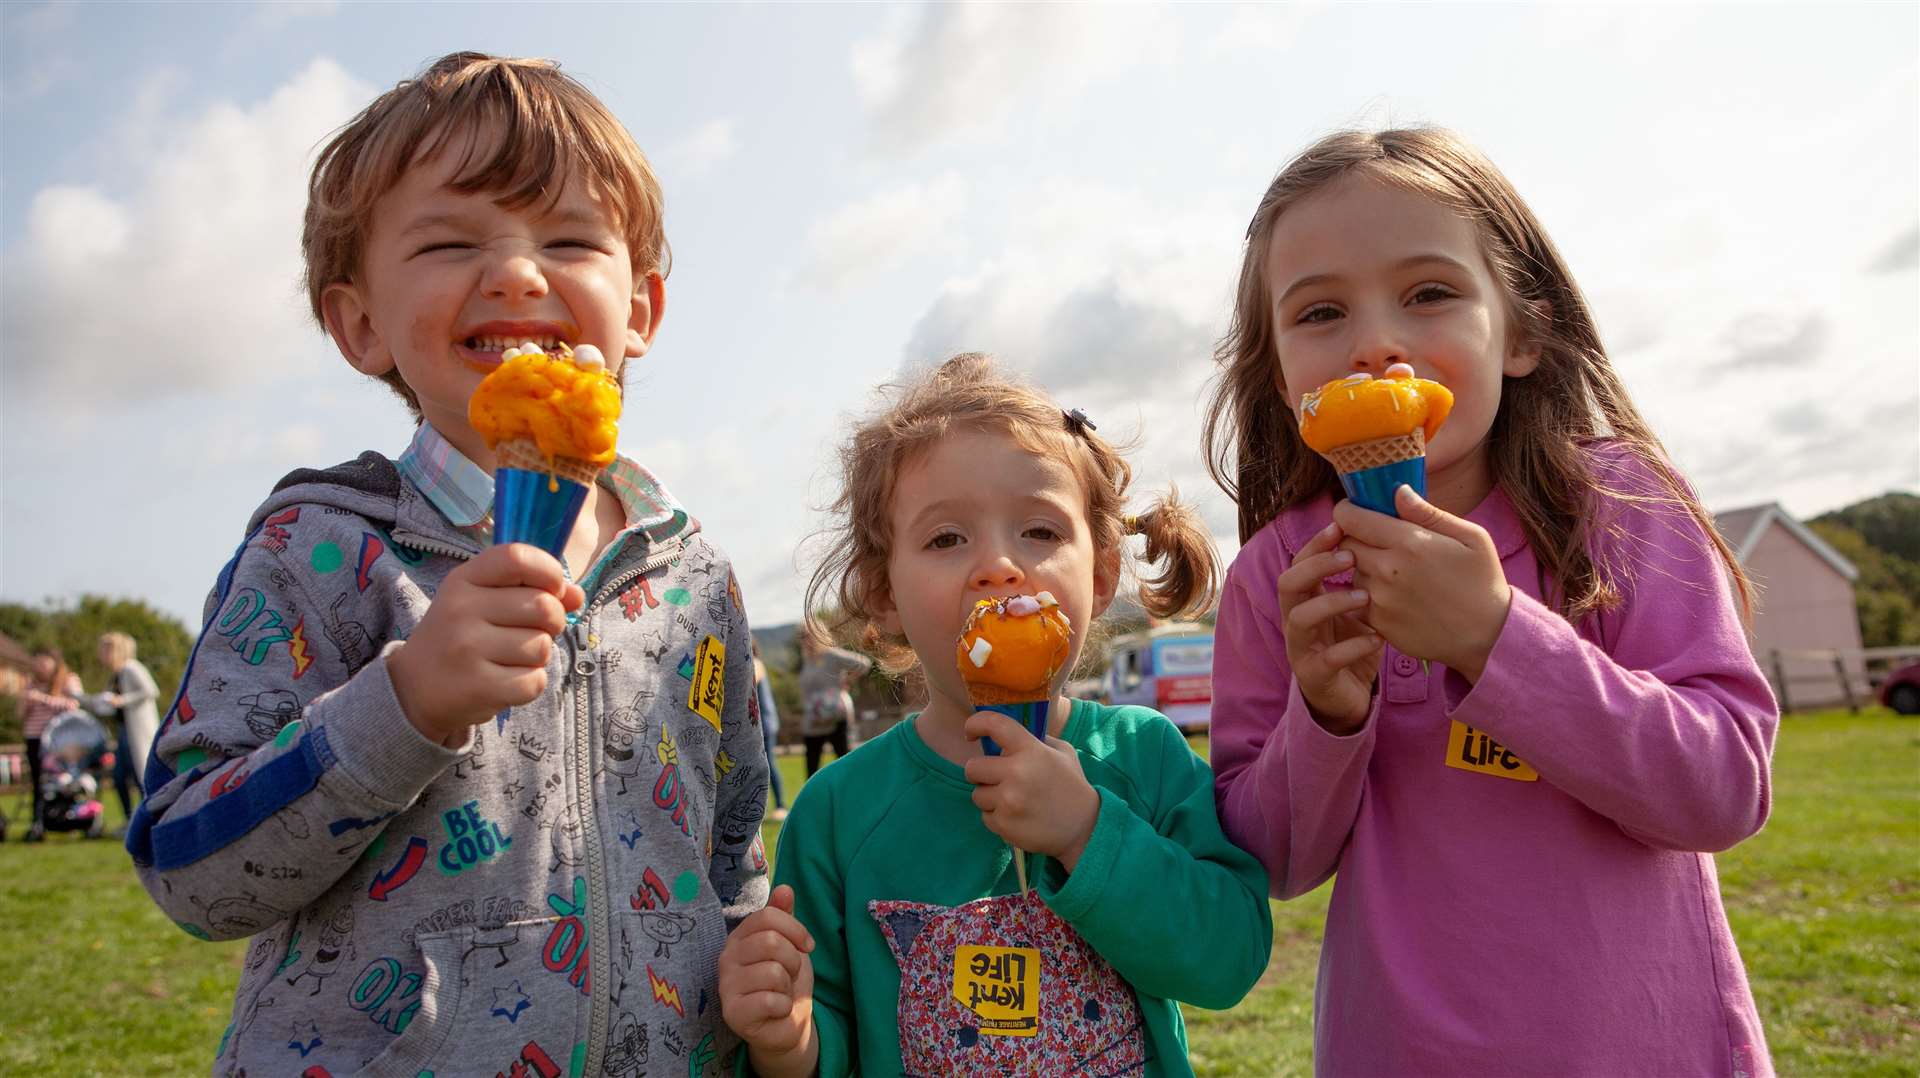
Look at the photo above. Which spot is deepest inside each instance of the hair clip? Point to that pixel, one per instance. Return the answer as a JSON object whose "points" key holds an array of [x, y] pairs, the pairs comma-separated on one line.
{"points": [[1131, 525], [1077, 421]]}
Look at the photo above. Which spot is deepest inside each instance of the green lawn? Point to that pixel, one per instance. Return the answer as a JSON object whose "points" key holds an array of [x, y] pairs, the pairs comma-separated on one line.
{"points": [[98, 982]]}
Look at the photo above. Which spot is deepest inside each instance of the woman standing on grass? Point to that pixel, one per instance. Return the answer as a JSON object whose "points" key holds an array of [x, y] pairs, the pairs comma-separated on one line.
{"points": [[132, 694], [825, 673]]}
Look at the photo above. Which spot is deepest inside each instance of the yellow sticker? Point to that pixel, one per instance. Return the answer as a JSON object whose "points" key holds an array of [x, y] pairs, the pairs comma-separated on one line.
{"points": [[1001, 985], [1474, 750], [709, 692]]}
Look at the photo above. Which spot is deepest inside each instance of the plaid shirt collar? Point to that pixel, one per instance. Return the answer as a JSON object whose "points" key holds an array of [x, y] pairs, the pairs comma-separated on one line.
{"points": [[463, 492]]}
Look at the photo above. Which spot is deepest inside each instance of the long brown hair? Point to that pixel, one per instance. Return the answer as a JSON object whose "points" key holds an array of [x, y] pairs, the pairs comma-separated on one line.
{"points": [[970, 392], [1539, 445], [56, 684]]}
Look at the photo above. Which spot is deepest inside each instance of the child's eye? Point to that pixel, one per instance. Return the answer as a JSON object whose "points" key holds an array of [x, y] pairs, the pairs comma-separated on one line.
{"points": [[1319, 312], [944, 541], [1432, 293], [448, 245], [1043, 533], [577, 244]]}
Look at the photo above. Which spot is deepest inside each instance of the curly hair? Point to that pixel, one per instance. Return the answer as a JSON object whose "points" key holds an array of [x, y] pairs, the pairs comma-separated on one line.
{"points": [[969, 391]]}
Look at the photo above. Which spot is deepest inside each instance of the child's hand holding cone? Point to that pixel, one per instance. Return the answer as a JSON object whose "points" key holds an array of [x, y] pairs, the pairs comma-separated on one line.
{"points": [[1034, 794]]}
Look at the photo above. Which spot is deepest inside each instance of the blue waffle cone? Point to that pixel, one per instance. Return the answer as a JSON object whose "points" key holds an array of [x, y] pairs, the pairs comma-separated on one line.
{"points": [[536, 508], [1372, 488], [1031, 714]]}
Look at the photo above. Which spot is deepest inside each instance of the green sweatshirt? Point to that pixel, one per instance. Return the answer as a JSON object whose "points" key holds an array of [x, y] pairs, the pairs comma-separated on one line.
{"points": [[881, 846]]}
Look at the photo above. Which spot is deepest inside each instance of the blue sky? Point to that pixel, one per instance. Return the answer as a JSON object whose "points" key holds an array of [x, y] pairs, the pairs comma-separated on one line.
{"points": [[855, 189]]}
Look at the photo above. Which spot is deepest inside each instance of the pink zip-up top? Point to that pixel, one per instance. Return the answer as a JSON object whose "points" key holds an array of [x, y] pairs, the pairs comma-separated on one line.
{"points": [[1483, 923]]}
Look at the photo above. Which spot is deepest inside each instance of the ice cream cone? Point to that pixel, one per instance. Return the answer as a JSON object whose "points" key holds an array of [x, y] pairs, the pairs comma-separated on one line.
{"points": [[1010, 654], [536, 500], [551, 423], [1375, 431], [1371, 471]]}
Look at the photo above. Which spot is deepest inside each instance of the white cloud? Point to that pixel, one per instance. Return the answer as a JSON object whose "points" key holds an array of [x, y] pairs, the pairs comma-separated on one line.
{"points": [[701, 150], [1268, 28], [1109, 300], [954, 68], [190, 278], [865, 239]]}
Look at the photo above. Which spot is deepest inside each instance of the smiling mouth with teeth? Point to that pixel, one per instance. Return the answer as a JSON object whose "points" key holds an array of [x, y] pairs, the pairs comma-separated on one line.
{"points": [[548, 344]]}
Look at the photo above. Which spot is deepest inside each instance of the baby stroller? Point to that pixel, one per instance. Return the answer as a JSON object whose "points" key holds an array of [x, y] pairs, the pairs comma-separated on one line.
{"points": [[73, 752]]}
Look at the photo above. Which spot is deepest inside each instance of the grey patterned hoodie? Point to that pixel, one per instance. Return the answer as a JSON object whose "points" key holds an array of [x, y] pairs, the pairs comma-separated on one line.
{"points": [[549, 899]]}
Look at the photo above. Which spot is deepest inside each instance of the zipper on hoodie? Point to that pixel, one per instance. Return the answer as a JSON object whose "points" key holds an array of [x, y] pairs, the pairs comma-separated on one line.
{"points": [[414, 541], [599, 912]]}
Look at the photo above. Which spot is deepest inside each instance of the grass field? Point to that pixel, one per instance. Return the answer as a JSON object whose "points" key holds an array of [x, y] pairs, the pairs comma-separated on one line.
{"points": [[1825, 904]]}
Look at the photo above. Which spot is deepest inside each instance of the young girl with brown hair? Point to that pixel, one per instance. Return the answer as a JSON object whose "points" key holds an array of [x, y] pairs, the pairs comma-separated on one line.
{"points": [[898, 941], [1515, 717]]}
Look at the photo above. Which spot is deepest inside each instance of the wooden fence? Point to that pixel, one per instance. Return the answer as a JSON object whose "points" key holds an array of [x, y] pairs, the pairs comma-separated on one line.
{"points": [[1820, 673]]}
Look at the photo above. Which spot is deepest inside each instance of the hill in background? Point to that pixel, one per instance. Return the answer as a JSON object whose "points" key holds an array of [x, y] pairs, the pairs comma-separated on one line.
{"points": [[1881, 536]]}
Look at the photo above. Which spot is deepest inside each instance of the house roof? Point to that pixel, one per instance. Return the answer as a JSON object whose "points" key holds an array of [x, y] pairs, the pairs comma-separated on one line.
{"points": [[1743, 528]]}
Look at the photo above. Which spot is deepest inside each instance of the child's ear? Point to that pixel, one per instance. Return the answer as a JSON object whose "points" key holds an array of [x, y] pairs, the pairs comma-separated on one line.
{"points": [[1525, 356], [1106, 580], [350, 324], [886, 612], [649, 301]]}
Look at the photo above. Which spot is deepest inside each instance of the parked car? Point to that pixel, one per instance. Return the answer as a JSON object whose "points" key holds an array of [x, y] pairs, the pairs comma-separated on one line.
{"points": [[1168, 668], [1901, 690]]}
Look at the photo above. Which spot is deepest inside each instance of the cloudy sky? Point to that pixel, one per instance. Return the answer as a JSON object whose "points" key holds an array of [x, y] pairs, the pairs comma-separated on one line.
{"points": [[852, 190]]}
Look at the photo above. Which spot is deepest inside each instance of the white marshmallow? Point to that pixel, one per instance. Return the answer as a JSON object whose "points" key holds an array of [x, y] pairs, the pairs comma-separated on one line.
{"points": [[979, 651]]}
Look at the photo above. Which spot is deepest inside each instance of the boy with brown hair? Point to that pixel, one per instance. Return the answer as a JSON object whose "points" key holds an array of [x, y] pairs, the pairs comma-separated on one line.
{"points": [[483, 809]]}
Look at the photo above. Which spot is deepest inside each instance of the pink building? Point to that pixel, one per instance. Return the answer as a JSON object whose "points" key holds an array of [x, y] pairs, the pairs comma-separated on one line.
{"points": [[1804, 602]]}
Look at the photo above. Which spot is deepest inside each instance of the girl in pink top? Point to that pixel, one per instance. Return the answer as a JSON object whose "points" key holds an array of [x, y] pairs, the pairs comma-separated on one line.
{"points": [[1516, 718]]}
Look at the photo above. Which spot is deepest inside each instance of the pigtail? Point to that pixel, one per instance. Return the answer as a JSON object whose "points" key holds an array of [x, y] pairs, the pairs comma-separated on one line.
{"points": [[1179, 544]]}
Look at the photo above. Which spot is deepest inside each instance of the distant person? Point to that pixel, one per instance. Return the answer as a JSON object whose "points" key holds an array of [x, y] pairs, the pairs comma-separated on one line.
{"points": [[770, 731], [50, 690], [825, 673], [901, 940], [1512, 720], [486, 810], [134, 699]]}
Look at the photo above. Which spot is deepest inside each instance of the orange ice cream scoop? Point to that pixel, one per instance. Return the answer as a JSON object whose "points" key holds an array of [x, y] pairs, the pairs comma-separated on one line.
{"points": [[567, 405], [1361, 408], [1013, 648]]}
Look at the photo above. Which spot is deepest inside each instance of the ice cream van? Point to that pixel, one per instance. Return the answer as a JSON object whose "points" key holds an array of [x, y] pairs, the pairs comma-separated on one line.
{"points": [[1166, 667]]}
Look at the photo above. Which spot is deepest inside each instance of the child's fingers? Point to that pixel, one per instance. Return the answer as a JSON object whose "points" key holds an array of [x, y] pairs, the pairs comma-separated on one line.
{"points": [[778, 922], [986, 798], [524, 608], [1323, 540], [764, 948], [515, 649], [781, 898], [1373, 529], [1309, 570], [1305, 617], [763, 977], [1350, 651], [517, 565], [1008, 734], [756, 1007], [987, 770]]}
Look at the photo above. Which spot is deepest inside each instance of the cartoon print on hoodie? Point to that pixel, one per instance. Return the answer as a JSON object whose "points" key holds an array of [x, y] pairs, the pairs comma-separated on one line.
{"points": [[306, 809]]}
